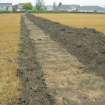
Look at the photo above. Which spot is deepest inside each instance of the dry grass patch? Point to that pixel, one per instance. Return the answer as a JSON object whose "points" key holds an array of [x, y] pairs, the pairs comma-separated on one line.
{"points": [[9, 40], [96, 21]]}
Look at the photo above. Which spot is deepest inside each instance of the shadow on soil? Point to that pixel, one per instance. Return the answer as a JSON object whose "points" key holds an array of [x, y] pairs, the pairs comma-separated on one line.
{"points": [[87, 45], [34, 91]]}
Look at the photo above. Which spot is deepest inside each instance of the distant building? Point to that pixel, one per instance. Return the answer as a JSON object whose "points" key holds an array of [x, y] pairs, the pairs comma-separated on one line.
{"points": [[18, 7], [68, 8], [91, 9], [49, 8], [63, 8], [75, 8], [6, 7]]}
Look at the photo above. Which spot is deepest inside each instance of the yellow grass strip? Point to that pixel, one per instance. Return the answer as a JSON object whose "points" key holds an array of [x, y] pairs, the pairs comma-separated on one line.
{"points": [[9, 46]]}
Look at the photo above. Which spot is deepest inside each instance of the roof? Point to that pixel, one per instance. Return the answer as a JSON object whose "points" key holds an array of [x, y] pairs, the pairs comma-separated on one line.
{"points": [[5, 4], [24, 3], [66, 7], [92, 8]]}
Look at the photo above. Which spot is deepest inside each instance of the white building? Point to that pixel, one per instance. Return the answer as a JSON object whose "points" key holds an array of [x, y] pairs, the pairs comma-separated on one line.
{"points": [[6, 7]]}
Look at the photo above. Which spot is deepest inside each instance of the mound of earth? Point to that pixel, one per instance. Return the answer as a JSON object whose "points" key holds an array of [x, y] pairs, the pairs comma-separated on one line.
{"points": [[87, 45]]}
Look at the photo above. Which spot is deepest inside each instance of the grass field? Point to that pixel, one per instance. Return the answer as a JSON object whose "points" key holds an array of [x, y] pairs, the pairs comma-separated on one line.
{"points": [[9, 42], [96, 21]]}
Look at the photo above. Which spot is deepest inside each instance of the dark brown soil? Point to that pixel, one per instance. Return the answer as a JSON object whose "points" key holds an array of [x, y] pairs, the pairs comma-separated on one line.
{"points": [[87, 45]]}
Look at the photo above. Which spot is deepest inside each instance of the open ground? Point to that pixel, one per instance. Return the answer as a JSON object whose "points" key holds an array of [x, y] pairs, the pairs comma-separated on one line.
{"points": [[48, 62]]}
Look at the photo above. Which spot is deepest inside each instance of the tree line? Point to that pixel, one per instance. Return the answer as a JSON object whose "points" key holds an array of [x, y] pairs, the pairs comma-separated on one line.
{"points": [[39, 6]]}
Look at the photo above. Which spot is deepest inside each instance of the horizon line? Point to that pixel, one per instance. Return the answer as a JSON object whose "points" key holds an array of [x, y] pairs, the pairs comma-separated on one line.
{"points": [[56, 3]]}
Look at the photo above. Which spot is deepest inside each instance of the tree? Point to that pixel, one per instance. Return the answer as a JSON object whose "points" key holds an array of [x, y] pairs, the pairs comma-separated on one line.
{"points": [[95, 11], [39, 4], [27, 6], [54, 6], [60, 4]]}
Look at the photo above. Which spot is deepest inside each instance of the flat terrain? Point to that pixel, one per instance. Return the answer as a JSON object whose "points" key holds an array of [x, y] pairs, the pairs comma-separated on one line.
{"points": [[96, 21], [48, 63], [9, 41]]}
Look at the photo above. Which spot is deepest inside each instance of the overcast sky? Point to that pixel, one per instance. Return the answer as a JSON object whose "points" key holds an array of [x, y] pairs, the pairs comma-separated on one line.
{"points": [[80, 2]]}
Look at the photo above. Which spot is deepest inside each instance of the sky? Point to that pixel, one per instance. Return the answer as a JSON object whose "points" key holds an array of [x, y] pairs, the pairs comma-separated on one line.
{"points": [[80, 2]]}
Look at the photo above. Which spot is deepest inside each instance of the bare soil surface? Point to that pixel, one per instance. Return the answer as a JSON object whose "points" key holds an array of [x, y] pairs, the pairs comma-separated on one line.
{"points": [[71, 61], [34, 91], [87, 45]]}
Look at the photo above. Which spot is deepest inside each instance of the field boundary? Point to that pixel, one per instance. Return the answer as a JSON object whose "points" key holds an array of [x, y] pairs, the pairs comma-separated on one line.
{"points": [[34, 91]]}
